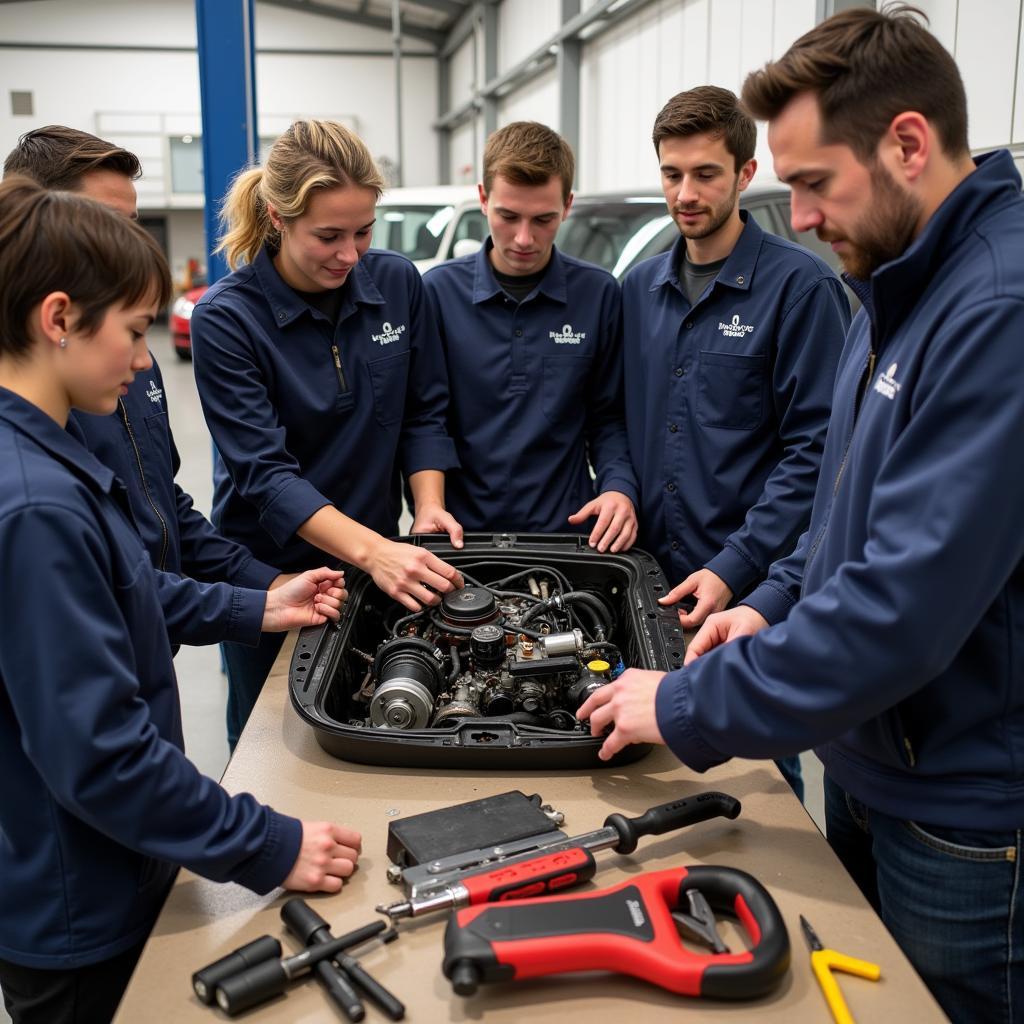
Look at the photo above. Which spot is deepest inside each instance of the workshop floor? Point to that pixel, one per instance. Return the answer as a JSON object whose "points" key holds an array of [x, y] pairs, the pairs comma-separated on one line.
{"points": [[203, 686]]}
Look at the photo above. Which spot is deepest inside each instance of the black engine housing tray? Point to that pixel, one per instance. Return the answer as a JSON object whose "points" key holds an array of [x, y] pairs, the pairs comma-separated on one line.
{"points": [[330, 662]]}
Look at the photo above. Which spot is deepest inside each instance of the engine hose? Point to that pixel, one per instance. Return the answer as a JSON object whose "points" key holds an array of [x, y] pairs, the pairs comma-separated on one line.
{"points": [[453, 652], [408, 618], [595, 605]]}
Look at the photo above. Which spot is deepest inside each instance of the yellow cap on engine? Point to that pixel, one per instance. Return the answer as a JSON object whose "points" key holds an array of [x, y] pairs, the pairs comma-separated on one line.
{"points": [[598, 666]]}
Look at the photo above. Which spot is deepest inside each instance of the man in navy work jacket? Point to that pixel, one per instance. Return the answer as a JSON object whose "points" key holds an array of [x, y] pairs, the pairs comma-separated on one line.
{"points": [[732, 339], [136, 441], [895, 644], [532, 342]]}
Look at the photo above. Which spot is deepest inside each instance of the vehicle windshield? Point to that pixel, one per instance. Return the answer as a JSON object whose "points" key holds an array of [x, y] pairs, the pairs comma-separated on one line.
{"points": [[615, 234], [414, 231]]}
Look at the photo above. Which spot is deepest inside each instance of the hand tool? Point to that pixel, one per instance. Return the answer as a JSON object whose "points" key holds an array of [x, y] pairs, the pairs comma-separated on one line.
{"points": [[497, 874], [265, 980], [205, 980], [337, 983], [628, 928], [824, 961], [311, 929]]}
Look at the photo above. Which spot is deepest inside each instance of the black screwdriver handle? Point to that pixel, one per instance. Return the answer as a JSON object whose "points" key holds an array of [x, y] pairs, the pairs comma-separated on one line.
{"points": [[303, 921], [340, 989], [388, 1002], [668, 817]]}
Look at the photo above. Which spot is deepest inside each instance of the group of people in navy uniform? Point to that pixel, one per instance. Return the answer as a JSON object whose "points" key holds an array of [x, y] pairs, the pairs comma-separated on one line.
{"points": [[834, 511]]}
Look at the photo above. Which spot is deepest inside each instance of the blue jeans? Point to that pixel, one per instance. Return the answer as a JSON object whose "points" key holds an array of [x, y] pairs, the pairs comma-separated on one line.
{"points": [[953, 899], [247, 668], [793, 774]]}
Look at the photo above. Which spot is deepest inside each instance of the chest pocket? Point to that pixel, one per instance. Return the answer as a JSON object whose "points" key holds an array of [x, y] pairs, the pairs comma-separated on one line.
{"points": [[389, 379], [731, 390], [563, 390], [158, 433]]}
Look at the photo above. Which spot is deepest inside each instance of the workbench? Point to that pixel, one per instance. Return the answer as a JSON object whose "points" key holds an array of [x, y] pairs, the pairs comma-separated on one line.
{"points": [[279, 760]]}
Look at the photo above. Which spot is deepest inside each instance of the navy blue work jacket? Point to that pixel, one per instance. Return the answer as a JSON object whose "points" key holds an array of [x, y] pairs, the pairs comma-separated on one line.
{"points": [[727, 403], [307, 414], [899, 643], [137, 444], [98, 803], [536, 392]]}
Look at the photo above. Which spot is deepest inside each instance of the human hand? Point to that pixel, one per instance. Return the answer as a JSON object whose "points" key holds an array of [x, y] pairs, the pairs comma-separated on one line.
{"points": [[616, 527], [436, 519], [307, 599], [281, 579], [628, 706], [712, 593], [405, 572], [723, 627], [327, 855]]}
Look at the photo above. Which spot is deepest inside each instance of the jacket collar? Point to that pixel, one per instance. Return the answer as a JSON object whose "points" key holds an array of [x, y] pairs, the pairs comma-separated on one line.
{"points": [[287, 305], [738, 269], [30, 420], [485, 284], [896, 286]]}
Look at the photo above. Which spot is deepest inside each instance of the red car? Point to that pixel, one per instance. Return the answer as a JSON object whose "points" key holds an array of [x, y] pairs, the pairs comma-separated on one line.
{"points": [[181, 319]]}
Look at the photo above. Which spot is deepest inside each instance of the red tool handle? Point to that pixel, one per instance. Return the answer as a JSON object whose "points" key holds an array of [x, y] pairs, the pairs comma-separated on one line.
{"points": [[628, 929], [536, 877]]}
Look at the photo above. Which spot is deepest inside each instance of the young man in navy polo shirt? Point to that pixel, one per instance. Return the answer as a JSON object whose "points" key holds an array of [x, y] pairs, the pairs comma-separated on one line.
{"points": [[532, 342], [731, 340]]}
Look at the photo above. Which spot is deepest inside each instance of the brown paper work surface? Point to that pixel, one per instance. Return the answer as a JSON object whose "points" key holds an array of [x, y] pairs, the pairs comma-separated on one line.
{"points": [[279, 760]]}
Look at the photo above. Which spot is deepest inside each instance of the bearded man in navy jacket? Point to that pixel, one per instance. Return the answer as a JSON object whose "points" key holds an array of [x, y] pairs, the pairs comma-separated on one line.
{"points": [[891, 639]]}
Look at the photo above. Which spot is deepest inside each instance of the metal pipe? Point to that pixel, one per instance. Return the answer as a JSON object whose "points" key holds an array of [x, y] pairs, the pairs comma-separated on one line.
{"points": [[396, 36]]}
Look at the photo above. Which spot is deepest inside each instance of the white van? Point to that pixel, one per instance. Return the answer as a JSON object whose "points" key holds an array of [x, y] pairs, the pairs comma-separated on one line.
{"points": [[426, 224]]}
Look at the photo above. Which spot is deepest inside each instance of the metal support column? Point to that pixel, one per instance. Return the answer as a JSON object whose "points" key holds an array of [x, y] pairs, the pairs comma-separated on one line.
{"points": [[396, 39], [490, 29], [227, 89], [568, 69], [444, 136]]}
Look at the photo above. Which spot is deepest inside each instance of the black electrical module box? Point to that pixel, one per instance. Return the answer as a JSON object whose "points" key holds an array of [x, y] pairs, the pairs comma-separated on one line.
{"points": [[478, 824], [492, 676]]}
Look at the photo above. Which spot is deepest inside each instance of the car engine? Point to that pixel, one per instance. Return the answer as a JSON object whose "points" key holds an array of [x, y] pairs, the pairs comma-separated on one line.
{"points": [[502, 664]]}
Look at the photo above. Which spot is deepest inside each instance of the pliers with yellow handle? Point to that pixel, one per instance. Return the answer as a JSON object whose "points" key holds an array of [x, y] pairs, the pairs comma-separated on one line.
{"points": [[825, 961]]}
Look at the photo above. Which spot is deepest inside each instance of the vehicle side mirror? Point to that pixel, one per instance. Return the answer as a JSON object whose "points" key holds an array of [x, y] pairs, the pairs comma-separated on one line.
{"points": [[465, 247]]}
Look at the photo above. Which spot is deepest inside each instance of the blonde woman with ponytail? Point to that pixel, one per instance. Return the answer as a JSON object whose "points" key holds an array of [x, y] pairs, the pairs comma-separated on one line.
{"points": [[322, 381]]}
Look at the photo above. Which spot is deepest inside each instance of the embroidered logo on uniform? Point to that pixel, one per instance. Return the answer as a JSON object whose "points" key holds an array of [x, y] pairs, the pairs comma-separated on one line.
{"points": [[567, 336], [154, 393], [388, 333], [734, 329], [887, 384]]}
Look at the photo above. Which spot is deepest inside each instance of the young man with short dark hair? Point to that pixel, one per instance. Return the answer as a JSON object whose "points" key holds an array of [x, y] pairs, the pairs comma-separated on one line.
{"points": [[731, 344], [894, 643], [532, 343]]}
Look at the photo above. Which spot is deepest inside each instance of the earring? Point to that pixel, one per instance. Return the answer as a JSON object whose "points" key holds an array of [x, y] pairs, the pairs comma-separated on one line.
{"points": [[63, 342]]}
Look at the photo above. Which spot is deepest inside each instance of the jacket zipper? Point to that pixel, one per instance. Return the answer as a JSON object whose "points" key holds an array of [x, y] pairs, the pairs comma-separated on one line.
{"points": [[869, 372], [337, 368], [145, 487]]}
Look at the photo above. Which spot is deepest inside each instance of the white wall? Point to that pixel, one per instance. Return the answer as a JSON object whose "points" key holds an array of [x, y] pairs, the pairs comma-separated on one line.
{"points": [[137, 97], [985, 39], [522, 26], [629, 72], [537, 100]]}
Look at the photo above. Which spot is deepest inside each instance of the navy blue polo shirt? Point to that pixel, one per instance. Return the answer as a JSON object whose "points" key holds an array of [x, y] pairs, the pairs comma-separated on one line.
{"points": [[536, 392], [306, 413], [727, 403], [137, 444], [99, 804]]}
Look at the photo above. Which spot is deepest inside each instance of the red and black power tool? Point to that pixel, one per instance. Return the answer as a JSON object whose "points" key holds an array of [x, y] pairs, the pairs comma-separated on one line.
{"points": [[633, 928]]}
